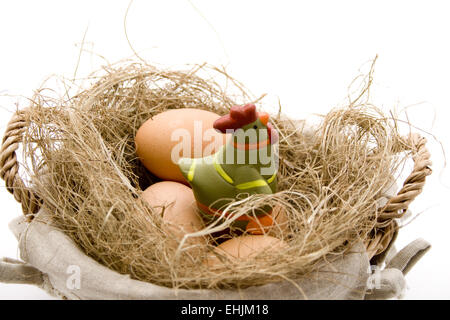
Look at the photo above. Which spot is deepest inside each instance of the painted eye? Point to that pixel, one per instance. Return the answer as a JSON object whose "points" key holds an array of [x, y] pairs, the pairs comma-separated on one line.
{"points": [[255, 127]]}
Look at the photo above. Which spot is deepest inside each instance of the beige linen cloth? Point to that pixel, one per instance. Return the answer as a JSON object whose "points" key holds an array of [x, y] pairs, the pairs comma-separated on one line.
{"points": [[53, 262]]}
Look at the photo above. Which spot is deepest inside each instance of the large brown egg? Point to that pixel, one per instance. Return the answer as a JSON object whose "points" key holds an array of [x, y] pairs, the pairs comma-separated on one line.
{"points": [[243, 247], [166, 137], [176, 203]]}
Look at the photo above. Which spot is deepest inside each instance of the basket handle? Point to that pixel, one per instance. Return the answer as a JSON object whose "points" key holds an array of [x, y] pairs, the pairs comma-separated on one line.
{"points": [[9, 167], [385, 233], [413, 185]]}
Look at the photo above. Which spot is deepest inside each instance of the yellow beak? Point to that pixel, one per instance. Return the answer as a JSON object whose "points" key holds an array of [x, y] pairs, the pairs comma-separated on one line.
{"points": [[264, 118]]}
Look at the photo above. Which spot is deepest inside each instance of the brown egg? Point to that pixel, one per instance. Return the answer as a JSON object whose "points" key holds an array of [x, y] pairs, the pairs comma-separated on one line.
{"points": [[244, 247], [166, 137], [180, 214]]}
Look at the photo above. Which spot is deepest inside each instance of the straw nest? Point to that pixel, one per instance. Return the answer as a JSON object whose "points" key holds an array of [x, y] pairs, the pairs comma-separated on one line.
{"points": [[80, 157]]}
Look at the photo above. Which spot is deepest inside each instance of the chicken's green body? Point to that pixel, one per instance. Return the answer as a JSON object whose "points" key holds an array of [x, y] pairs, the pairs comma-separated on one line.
{"points": [[246, 165]]}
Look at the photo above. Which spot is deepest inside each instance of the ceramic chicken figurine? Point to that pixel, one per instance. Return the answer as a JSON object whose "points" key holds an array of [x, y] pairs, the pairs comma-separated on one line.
{"points": [[246, 165]]}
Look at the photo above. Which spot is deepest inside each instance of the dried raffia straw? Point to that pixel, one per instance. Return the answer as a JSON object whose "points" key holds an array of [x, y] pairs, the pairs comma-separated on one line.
{"points": [[80, 157]]}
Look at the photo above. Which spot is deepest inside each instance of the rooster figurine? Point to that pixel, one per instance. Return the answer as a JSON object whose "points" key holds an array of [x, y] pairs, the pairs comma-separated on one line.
{"points": [[246, 165]]}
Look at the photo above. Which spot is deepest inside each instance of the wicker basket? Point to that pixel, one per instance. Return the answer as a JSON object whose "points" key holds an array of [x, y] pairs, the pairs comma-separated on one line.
{"points": [[37, 240]]}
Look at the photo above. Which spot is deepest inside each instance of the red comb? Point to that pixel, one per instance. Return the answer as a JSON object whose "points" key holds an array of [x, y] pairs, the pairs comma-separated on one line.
{"points": [[238, 117]]}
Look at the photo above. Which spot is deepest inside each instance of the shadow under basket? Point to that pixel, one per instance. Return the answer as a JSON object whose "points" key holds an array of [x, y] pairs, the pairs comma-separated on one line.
{"points": [[53, 262]]}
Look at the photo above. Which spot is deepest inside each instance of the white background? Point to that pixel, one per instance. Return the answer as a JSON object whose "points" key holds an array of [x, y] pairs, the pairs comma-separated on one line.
{"points": [[303, 52]]}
